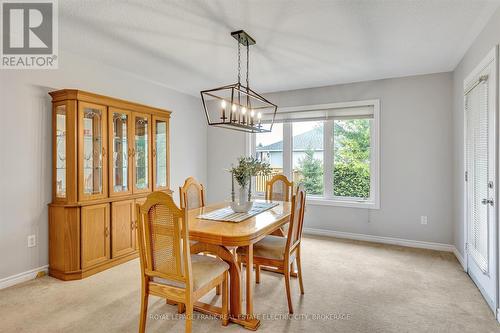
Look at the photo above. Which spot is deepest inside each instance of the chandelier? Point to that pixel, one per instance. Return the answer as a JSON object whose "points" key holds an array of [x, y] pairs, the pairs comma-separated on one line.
{"points": [[236, 106]]}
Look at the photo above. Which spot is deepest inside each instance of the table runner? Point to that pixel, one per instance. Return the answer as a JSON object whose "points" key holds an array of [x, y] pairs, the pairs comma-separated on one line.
{"points": [[228, 215]]}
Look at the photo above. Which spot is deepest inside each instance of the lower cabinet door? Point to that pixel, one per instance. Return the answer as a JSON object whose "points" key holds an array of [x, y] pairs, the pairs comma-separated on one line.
{"points": [[122, 228], [141, 202], [95, 234]]}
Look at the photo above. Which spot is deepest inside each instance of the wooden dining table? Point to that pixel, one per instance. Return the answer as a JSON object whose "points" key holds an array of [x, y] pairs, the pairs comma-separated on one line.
{"points": [[216, 237]]}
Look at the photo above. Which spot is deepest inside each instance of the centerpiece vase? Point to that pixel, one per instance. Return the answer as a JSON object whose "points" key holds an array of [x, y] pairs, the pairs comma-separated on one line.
{"points": [[243, 194], [244, 204]]}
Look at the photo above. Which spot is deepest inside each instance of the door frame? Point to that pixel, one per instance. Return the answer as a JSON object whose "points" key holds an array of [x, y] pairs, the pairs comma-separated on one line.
{"points": [[491, 56]]}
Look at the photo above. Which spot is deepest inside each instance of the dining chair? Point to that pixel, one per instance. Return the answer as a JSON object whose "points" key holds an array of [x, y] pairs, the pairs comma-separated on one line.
{"points": [[280, 252], [167, 267], [192, 194], [281, 189]]}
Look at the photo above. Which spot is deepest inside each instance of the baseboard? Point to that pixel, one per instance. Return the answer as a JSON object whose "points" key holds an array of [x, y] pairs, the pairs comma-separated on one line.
{"points": [[381, 239], [22, 277], [460, 258]]}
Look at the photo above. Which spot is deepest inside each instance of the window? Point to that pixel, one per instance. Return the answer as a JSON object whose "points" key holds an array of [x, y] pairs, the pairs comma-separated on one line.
{"points": [[351, 158], [332, 150], [307, 155], [269, 148]]}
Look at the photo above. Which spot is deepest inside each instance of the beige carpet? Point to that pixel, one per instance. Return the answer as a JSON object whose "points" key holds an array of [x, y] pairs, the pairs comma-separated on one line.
{"points": [[350, 286]]}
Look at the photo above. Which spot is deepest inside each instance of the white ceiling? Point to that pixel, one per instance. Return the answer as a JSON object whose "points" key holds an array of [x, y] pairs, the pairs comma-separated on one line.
{"points": [[185, 44]]}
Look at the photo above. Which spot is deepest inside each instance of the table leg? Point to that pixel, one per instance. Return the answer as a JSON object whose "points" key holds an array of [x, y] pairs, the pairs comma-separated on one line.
{"points": [[235, 292], [249, 282]]}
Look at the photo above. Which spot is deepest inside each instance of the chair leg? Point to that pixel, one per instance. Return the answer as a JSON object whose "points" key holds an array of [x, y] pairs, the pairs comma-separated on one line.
{"points": [[144, 310], [299, 268], [240, 263], [180, 308], [189, 316], [287, 286], [217, 289], [257, 273], [225, 296]]}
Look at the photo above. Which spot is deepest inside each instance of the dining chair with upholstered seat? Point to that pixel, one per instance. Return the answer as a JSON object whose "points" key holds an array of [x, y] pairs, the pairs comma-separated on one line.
{"points": [[192, 194], [167, 267], [279, 188], [280, 252]]}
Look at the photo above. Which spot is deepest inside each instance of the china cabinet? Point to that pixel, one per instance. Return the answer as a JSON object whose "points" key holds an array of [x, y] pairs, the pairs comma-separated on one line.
{"points": [[108, 155]]}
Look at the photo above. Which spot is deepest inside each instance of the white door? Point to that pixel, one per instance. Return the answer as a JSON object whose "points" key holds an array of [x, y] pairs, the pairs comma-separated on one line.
{"points": [[481, 185]]}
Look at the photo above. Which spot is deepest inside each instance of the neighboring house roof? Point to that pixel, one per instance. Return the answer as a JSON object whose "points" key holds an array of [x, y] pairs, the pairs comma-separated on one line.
{"points": [[310, 139]]}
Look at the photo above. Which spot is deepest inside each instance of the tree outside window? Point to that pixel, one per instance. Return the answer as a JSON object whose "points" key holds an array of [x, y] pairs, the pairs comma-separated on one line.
{"points": [[349, 153], [351, 166]]}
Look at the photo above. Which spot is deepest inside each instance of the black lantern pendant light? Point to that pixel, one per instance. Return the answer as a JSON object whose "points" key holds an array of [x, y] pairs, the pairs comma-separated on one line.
{"points": [[236, 106]]}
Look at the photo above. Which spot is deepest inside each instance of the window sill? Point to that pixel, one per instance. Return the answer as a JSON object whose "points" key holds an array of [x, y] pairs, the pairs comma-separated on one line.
{"points": [[315, 201], [318, 201]]}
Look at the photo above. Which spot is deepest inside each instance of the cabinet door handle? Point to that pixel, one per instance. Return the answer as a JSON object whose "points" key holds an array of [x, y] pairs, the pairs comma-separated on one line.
{"points": [[132, 225], [106, 231], [154, 152], [103, 152], [130, 152], [133, 152]]}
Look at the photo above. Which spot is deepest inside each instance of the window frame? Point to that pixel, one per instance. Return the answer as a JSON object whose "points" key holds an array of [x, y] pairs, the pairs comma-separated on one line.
{"points": [[328, 199]]}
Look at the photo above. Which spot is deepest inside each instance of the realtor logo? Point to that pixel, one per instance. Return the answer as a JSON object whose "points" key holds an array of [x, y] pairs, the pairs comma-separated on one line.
{"points": [[29, 34]]}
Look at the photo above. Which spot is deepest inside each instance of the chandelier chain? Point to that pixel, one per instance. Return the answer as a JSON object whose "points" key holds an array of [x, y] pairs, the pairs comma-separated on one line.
{"points": [[239, 62], [248, 64], [248, 71]]}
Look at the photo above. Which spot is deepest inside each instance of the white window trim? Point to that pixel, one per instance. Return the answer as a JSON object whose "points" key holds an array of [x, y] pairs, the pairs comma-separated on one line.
{"points": [[329, 199]]}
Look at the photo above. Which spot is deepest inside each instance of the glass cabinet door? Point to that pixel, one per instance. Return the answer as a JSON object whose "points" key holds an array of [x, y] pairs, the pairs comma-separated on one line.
{"points": [[141, 153], [160, 153], [92, 151], [60, 151], [120, 151]]}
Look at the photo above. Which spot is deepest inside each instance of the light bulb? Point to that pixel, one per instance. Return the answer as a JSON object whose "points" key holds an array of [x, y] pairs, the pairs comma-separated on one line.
{"points": [[252, 113], [259, 115], [223, 104], [233, 107], [243, 110]]}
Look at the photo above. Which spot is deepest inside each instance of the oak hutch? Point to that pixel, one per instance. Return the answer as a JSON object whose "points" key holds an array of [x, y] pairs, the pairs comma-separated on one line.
{"points": [[108, 154]]}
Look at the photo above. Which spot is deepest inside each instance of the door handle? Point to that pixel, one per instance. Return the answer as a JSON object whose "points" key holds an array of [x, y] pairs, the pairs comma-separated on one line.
{"points": [[488, 201]]}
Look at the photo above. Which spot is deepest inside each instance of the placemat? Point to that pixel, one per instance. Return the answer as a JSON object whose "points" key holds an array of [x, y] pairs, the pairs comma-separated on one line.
{"points": [[228, 215]]}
